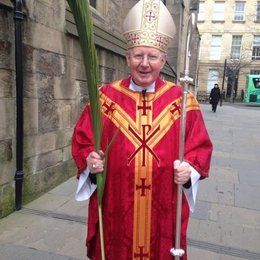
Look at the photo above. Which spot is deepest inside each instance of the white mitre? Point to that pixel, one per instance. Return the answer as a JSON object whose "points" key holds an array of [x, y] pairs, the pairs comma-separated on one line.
{"points": [[149, 23]]}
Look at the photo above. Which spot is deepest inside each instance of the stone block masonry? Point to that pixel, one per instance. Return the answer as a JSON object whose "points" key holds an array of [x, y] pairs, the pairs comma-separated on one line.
{"points": [[55, 93], [7, 119]]}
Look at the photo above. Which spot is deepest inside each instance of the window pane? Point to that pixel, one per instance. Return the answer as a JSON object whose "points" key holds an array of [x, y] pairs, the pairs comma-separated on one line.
{"points": [[215, 49], [239, 11], [257, 40], [236, 46], [212, 79], [255, 72], [201, 15], [258, 11], [218, 14], [256, 48]]}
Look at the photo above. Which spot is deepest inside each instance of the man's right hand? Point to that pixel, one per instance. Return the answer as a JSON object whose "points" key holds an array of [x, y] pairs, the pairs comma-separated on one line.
{"points": [[95, 162]]}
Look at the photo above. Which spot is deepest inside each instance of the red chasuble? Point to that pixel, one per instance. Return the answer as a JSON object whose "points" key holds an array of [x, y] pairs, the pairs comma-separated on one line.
{"points": [[139, 204]]}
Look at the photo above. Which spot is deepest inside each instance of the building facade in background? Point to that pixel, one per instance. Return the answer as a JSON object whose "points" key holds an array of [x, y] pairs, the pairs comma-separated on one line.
{"points": [[230, 44], [54, 84]]}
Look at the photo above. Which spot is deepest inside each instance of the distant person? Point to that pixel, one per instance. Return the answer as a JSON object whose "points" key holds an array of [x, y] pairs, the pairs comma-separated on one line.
{"points": [[214, 97], [242, 95], [234, 96]]}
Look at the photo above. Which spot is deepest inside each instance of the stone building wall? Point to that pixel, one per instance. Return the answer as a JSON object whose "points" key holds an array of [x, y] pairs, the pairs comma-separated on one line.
{"points": [[227, 28], [55, 93], [181, 10], [7, 111]]}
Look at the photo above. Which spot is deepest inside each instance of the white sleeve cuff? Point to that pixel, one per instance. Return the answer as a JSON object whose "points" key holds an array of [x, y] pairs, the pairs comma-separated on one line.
{"points": [[85, 187], [191, 193]]}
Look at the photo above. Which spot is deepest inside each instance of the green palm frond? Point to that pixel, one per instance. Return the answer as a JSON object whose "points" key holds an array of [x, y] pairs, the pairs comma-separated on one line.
{"points": [[81, 13], [82, 16]]}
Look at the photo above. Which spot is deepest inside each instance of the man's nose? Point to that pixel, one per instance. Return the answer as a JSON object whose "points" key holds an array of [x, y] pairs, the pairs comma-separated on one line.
{"points": [[145, 61]]}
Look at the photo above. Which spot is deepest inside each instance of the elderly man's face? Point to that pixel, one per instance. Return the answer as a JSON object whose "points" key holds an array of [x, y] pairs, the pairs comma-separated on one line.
{"points": [[145, 64]]}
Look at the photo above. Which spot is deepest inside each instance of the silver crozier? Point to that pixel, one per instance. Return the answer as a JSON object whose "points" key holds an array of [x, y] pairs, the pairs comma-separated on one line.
{"points": [[177, 252]]}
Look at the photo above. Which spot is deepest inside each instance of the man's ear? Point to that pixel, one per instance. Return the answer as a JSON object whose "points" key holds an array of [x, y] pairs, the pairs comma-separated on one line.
{"points": [[163, 63], [164, 59]]}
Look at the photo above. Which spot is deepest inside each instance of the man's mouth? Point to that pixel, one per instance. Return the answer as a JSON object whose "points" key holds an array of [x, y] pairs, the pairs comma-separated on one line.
{"points": [[144, 72]]}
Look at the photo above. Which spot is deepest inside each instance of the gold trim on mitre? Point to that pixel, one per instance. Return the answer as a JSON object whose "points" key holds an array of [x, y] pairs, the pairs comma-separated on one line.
{"points": [[149, 23]]}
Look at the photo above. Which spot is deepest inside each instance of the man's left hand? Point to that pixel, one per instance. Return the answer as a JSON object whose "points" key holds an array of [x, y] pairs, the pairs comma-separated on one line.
{"points": [[182, 172]]}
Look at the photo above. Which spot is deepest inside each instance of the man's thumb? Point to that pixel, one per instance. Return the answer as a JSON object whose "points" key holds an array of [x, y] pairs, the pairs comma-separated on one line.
{"points": [[176, 164]]}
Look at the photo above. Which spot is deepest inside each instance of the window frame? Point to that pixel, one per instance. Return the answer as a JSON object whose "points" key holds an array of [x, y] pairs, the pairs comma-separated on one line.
{"points": [[256, 48], [255, 72], [218, 13], [239, 13], [201, 13], [215, 48], [235, 52], [257, 15]]}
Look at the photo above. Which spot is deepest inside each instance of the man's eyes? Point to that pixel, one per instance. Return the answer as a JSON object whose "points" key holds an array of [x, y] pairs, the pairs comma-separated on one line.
{"points": [[138, 56], [150, 57], [153, 57]]}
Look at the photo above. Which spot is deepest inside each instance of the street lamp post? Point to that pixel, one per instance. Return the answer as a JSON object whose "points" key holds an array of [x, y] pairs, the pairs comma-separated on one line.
{"points": [[223, 81]]}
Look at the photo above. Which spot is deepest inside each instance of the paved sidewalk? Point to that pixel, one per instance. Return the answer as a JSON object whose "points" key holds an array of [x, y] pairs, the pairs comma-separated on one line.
{"points": [[51, 227], [225, 225], [226, 222]]}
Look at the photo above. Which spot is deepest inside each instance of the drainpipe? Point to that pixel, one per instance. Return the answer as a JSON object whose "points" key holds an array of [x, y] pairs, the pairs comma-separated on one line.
{"points": [[18, 19]]}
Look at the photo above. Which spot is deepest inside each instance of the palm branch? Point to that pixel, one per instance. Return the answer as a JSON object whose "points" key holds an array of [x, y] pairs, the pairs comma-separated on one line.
{"points": [[81, 13]]}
